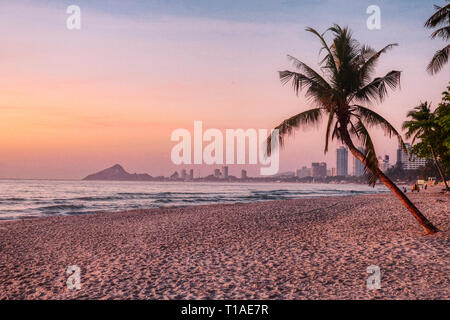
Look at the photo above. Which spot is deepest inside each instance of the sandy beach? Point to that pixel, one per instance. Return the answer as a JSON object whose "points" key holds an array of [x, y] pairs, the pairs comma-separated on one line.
{"points": [[291, 249]]}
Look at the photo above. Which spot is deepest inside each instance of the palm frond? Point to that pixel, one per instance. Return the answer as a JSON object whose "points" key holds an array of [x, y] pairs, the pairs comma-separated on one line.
{"points": [[440, 58], [368, 67], [329, 123], [415, 137], [441, 16], [310, 72], [288, 126], [443, 33], [377, 89], [371, 118], [370, 156], [365, 53], [315, 91], [299, 80], [336, 134], [421, 122], [411, 129], [331, 63], [345, 49]]}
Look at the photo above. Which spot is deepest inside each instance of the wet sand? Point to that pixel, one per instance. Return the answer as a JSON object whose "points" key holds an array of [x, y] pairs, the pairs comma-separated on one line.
{"points": [[290, 249]]}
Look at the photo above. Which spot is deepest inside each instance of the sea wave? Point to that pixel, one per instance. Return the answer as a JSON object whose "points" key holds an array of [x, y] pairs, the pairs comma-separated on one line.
{"points": [[62, 207], [36, 199]]}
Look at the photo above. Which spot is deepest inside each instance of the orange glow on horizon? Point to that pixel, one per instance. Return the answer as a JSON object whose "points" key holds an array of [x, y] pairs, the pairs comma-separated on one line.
{"points": [[116, 89]]}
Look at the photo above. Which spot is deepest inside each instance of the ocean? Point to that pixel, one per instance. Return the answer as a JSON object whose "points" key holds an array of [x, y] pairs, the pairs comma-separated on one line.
{"points": [[43, 198]]}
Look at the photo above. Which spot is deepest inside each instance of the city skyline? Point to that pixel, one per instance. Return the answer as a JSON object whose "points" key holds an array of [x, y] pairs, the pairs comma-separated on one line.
{"points": [[315, 170]]}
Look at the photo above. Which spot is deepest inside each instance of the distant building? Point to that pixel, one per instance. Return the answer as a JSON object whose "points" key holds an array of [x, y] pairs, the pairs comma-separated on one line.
{"points": [[217, 173], [319, 170], [408, 161], [191, 174], [358, 166], [333, 172], [174, 176], [225, 172], [244, 174], [384, 164], [380, 162], [303, 172], [287, 174], [183, 174], [399, 156], [342, 161]]}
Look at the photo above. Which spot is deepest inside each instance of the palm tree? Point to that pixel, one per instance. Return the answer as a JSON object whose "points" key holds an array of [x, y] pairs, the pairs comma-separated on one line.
{"points": [[339, 93], [441, 20], [422, 126]]}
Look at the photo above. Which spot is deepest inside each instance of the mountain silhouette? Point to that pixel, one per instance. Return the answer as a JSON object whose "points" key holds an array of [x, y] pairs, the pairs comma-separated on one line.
{"points": [[117, 172]]}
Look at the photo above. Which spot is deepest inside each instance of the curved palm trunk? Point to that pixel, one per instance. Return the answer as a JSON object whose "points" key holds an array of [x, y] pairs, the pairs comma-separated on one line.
{"points": [[441, 173], [428, 227]]}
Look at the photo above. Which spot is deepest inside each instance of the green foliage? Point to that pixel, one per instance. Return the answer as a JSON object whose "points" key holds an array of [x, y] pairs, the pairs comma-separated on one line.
{"points": [[443, 123], [440, 23], [430, 131], [410, 176]]}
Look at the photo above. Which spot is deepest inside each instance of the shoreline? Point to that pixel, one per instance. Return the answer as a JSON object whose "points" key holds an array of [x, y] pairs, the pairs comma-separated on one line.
{"points": [[175, 206], [316, 248]]}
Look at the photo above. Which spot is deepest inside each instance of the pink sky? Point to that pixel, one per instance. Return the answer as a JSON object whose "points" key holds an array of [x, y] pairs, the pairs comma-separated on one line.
{"points": [[75, 102]]}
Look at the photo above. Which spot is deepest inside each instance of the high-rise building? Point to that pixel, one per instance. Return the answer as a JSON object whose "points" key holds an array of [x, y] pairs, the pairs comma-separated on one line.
{"points": [[225, 172], [191, 174], [358, 166], [408, 161], [303, 172], [244, 174], [217, 173], [384, 163], [342, 161], [183, 174], [319, 170], [399, 156]]}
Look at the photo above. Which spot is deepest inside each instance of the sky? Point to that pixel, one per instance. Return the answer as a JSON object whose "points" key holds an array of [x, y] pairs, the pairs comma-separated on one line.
{"points": [[74, 102]]}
